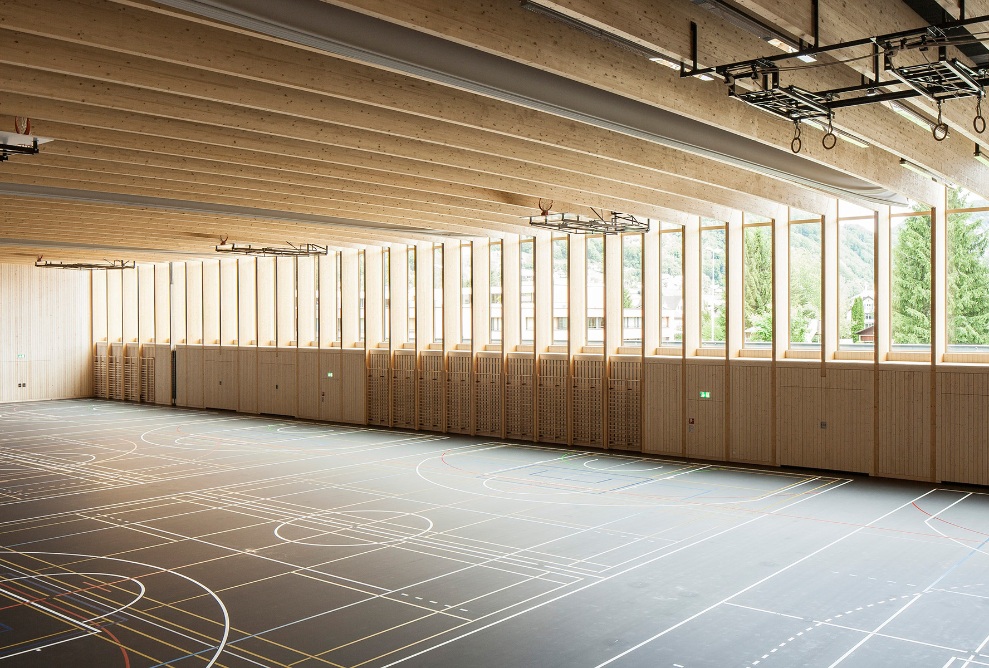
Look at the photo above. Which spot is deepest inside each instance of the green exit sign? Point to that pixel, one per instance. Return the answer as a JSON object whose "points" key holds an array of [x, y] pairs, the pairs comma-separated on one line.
{"points": [[21, 356], [705, 395], [329, 374]]}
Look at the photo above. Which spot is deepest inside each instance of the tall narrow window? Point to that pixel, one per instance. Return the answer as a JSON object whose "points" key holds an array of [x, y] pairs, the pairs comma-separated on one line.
{"points": [[805, 283], [412, 293], [527, 285], [437, 293], [595, 290], [561, 290], [362, 297], [386, 295], [856, 283], [632, 289], [712, 285], [671, 286], [968, 275], [757, 283], [494, 294], [910, 281], [466, 292], [338, 336]]}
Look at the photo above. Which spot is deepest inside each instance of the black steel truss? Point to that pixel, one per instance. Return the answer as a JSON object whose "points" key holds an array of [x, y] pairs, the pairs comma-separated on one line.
{"points": [[7, 150], [105, 264]]}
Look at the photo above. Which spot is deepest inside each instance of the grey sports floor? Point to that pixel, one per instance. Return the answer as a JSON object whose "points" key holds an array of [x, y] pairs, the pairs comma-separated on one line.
{"points": [[145, 536]]}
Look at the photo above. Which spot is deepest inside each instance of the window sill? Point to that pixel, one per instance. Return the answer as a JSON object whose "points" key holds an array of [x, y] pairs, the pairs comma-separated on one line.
{"points": [[907, 356], [855, 355], [792, 354], [758, 353], [709, 352]]}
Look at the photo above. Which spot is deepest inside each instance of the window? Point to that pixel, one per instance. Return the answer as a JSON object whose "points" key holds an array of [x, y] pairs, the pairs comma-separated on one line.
{"points": [[437, 293], [805, 284], [671, 286], [527, 284], [757, 285], [412, 292], [494, 293], [466, 292], [339, 269], [910, 281], [968, 276], [594, 300], [713, 241], [561, 290], [632, 289], [361, 296], [856, 283], [386, 295]]}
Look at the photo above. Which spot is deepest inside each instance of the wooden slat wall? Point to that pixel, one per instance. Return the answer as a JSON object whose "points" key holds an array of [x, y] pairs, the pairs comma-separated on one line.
{"points": [[904, 402], [46, 317], [752, 413], [662, 413], [963, 413], [706, 436]]}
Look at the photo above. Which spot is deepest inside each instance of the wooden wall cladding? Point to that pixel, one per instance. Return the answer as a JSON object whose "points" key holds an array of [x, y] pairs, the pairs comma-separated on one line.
{"points": [[588, 396], [431, 381], [624, 407], [662, 419], [403, 394], [751, 404], [458, 394], [518, 397], [820, 419], [378, 381], [221, 378], [488, 388], [248, 379], [553, 380], [46, 334], [277, 381], [353, 372], [962, 435], [705, 421], [904, 448], [308, 404]]}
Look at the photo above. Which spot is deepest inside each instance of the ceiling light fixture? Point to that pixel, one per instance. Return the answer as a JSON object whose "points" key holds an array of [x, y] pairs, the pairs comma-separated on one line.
{"points": [[923, 171], [980, 156]]}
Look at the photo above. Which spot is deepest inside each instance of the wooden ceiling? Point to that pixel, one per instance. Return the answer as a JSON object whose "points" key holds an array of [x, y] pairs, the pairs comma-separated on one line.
{"points": [[172, 130]]}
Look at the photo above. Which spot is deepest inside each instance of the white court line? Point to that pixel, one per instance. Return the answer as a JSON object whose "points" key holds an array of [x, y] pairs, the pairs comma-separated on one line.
{"points": [[759, 582], [614, 575]]}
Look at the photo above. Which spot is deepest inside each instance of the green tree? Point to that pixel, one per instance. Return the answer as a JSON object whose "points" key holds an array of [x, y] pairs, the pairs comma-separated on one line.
{"points": [[911, 282], [968, 280], [758, 284], [858, 318]]}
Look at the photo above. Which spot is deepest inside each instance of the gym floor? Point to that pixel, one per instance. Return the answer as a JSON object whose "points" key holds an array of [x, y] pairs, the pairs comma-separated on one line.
{"points": [[135, 535]]}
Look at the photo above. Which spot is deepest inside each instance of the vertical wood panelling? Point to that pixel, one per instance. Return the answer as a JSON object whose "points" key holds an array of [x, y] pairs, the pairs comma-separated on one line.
{"points": [[377, 388], [963, 439], [752, 413], [46, 333], [353, 406], [518, 396], [163, 374], [624, 415], [431, 391], [588, 384], [662, 419], [904, 446], [553, 379], [706, 415], [309, 399], [458, 393], [248, 379], [488, 393], [404, 389]]}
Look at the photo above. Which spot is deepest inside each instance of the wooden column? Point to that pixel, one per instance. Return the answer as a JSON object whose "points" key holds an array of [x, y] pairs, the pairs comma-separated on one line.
{"points": [[350, 335], [163, 306], [229, 302], [211, 302], [830, 304], [577, 314], [265, 293], [247, 306]]}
